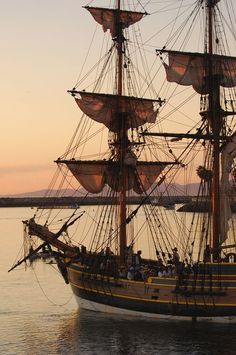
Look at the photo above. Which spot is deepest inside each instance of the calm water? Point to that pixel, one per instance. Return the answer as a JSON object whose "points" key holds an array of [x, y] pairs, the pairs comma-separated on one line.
{"points": [[38, 315]]}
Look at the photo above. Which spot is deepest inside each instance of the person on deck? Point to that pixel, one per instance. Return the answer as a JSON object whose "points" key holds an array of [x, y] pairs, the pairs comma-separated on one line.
{"points": [[138, 258], [108, 252], [129, 255], [176, 257], [207, 254], [160, 267], [130, 274]]}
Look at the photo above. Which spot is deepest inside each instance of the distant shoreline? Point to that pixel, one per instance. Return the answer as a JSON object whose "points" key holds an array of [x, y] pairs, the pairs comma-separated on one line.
{"points": [[73, 202]]}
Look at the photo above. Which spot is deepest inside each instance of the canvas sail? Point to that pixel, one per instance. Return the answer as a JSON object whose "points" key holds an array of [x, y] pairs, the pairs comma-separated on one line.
{"points": [[190, 69], [108, 18], [103, 108], [94, 175]]}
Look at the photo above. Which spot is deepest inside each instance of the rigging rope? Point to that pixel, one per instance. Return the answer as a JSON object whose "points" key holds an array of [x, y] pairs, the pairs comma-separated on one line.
{"points": [[44, 293]]}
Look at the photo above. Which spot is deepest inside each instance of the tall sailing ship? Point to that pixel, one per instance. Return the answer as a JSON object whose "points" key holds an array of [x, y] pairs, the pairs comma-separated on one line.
{"points": [[145, 259]]}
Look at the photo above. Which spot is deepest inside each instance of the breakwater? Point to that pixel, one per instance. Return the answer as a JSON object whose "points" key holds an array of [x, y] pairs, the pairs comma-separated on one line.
{"points": [[68, 201]]}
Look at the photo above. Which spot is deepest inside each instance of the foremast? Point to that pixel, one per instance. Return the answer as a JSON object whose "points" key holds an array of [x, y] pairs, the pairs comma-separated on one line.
{"points": [[122, 138], [120, 113]]}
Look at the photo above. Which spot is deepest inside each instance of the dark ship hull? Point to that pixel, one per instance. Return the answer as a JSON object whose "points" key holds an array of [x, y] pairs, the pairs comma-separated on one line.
{"points": [[187, 297]]}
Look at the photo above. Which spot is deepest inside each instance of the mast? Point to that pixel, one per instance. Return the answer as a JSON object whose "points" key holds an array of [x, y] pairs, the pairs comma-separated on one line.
{"points": [[121, 137], [119, 113], [215, 119], [206, 73]]}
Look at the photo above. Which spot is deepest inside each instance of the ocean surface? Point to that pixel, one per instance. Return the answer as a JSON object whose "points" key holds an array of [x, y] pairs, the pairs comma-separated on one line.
{"points": [[38, 314]]}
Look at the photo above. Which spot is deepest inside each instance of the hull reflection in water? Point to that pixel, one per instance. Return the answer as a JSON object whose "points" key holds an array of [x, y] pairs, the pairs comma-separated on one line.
{"points": [[102, 334]]}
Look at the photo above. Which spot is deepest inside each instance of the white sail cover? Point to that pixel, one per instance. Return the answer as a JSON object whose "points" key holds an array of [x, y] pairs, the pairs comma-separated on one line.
{"points": [[191, 69], [228, 154], [94, 175], [104, 108], [108, 18]]}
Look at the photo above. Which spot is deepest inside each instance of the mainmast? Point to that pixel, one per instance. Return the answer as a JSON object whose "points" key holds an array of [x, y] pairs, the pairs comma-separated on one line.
{"points": [[122, 139], [215, 119], [206, 73]]}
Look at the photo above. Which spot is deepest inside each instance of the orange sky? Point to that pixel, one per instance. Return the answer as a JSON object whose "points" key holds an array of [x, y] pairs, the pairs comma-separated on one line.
{"points": [[40, 59], [43, 46]]}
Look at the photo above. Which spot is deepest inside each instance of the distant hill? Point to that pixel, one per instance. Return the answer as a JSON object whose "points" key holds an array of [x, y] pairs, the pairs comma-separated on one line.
{"points": [[174, 190], [43, 193]]}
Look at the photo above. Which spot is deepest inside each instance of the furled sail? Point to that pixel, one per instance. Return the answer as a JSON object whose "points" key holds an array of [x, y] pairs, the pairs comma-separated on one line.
{"points": [[94, 175], [228, 154], [108, 18], [191, 69], [103, 108]]}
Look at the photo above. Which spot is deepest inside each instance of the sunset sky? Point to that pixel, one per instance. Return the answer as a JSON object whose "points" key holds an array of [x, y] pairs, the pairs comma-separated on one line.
{"points": [[40, 59], [43, 46]]}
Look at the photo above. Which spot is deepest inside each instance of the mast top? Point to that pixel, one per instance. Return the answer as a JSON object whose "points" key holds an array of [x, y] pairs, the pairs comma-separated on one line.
{"points": [[211, 3], [108, 18]]}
